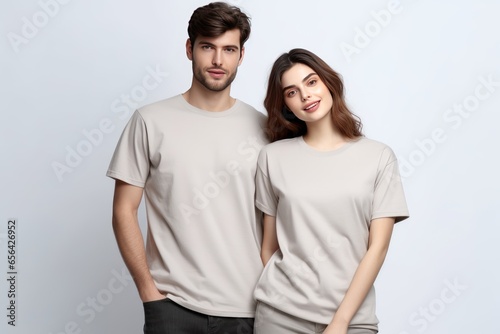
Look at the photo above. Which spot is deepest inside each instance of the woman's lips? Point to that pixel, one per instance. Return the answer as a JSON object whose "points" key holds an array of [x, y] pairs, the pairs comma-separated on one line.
{"points": [[311, 107]]}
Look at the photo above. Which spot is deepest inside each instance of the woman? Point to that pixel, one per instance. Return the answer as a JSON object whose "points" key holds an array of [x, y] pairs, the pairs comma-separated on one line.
{"points": [[330, 198]]}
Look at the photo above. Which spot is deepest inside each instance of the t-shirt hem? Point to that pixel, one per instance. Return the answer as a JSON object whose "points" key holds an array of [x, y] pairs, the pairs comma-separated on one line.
{"points": [[126, 179], [318, 320], [214, 313], [372, 327]]}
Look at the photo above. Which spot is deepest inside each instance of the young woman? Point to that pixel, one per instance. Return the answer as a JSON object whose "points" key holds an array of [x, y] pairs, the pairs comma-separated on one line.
{"points": [[330, 198]]}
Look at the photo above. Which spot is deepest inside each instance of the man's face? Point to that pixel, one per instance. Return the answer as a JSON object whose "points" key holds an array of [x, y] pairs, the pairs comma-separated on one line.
{"points": [[215, 60]]}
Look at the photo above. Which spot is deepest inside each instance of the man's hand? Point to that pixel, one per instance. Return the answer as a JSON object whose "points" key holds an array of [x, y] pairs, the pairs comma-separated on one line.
{"points": [[152, 296]]}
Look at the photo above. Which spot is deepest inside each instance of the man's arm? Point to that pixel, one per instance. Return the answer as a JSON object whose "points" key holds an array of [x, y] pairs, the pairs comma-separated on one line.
{"points": [[126, 201]]}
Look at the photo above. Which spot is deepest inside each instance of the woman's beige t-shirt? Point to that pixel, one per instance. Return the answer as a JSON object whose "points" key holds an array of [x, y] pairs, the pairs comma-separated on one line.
{"points": [[323, 203]]}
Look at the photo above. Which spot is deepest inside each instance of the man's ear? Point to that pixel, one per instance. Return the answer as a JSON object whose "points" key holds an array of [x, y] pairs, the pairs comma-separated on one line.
{"points": [[189, 49], [242, 55]]}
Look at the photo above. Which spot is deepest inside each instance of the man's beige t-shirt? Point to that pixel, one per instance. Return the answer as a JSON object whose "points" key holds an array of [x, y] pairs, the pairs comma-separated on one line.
{"points": [[323, 203], [197, 169]]}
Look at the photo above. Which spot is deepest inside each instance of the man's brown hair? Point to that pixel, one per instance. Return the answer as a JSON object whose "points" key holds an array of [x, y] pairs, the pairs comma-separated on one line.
{"points": [[215, 19]]}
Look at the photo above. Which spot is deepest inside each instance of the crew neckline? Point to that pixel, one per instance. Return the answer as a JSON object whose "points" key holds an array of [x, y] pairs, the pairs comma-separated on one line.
{"points": [[214, 114], [335, 151]]}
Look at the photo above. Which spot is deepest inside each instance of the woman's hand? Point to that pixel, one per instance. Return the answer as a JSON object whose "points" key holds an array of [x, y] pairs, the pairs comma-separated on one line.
{"points": [[335, 328]]}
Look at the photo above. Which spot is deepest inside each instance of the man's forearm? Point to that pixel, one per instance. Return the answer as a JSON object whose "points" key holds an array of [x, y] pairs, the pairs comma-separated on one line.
{"points": [[130, 242]]}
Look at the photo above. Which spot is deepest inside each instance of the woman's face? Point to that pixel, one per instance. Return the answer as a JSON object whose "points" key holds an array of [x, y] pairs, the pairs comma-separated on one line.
{"points": [[305, 94]]}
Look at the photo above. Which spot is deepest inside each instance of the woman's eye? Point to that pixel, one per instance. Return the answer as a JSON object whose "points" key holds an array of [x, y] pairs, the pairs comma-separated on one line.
{"points": [[313, 82], [291, 93]]}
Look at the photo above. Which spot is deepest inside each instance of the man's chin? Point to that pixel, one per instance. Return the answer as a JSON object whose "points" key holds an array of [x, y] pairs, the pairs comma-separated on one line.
{"points": [[217, 86]]}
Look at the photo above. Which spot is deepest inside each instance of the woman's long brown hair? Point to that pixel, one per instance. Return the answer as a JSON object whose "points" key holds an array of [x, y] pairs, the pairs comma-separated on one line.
{"points": [[279, 127]]}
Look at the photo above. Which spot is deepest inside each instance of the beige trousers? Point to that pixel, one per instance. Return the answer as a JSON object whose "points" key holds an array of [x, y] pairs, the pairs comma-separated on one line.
{"points": [[269, 320]]}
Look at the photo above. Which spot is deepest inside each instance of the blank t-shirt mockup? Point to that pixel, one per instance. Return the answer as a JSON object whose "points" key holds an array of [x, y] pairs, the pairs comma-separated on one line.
{"points": [[197, 169], [323, 202]]}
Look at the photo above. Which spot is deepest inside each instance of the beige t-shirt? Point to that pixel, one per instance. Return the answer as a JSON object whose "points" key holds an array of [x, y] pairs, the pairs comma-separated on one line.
{"points": [[197, 169], [323, 203]]}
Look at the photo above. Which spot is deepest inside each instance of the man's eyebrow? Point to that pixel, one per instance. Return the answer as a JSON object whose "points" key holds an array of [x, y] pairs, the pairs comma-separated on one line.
{"points": [[202, 42]]}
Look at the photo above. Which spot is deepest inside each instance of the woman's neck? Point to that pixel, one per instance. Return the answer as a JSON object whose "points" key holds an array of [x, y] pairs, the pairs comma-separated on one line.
{"points": [[323, 135]]}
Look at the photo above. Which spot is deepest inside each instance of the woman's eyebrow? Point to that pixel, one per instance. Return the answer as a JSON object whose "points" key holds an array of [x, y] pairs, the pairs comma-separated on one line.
{"points": [[303, 80]]}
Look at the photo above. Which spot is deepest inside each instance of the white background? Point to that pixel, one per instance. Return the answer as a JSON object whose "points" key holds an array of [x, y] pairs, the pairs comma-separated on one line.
{"points": [[408, 67]]}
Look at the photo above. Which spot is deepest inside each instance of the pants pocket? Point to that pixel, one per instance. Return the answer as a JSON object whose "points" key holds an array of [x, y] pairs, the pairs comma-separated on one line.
{"points": [[155, 313]]}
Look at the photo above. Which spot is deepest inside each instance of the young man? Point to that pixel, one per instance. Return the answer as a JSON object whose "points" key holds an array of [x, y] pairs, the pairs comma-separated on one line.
{"points": [[193, 156]]}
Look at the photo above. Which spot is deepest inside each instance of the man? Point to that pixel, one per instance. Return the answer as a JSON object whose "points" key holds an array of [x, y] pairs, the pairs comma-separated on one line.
{"points": [[193, 156]]}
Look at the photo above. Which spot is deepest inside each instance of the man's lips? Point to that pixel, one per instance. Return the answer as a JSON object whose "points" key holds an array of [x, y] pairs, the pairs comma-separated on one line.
{"points": [[312, 106], [216, 73]]}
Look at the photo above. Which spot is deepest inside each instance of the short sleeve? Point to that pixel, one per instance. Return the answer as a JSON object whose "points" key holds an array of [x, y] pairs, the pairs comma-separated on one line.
{"points": [[265, 200], [130, 161], [389, 198]]}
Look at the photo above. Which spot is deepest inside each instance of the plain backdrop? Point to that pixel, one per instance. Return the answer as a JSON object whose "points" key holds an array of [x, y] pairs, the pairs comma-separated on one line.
{"points": [[423, 75]]}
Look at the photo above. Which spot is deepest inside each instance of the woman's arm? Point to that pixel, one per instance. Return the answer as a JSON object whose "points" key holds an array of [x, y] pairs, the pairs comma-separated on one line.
{"points": [[368, 269], [270, 238]]}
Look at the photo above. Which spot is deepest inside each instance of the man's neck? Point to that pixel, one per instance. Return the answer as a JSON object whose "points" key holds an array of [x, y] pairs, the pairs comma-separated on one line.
{"points": [[205, 99]]}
